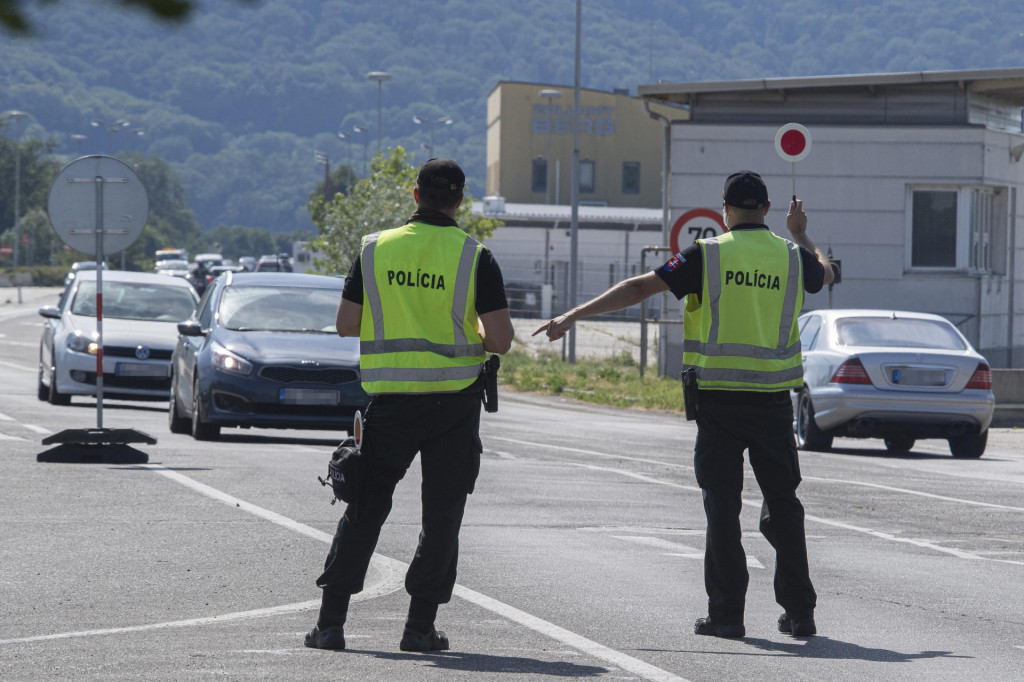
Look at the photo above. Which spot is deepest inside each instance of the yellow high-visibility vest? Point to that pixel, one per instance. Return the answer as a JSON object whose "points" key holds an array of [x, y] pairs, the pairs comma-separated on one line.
{"points": [[743, 334], [418, 330]]}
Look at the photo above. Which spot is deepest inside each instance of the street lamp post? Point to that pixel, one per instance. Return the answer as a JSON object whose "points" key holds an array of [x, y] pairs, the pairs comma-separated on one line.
{"points": [[322, 158], [551, 95], [362, 130], [343, 136], [78, 139], [110, 127], [18, 116], [380, 77], [420, 120]]}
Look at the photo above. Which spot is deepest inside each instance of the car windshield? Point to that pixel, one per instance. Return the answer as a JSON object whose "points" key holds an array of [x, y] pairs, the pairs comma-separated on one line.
{"points": [[279, 309], [887, 332], [135, 301]]}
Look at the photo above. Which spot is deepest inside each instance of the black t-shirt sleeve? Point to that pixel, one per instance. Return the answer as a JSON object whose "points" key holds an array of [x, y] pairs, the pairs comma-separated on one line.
{"points": [[353, 290], [684, 272], [490, 286], [814, 273]]}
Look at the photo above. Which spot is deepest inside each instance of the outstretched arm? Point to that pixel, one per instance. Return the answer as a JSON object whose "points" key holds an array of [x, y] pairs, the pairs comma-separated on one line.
{"points": [[796, 223], [624, 294]]}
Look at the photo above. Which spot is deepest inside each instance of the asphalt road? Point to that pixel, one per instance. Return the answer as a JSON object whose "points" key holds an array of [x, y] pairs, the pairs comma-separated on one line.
{"points": [[580, 554]]}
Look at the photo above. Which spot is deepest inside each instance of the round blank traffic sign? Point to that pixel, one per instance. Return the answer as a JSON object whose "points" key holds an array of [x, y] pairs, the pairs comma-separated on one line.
{"points": [[793, 142], [74, 199]]}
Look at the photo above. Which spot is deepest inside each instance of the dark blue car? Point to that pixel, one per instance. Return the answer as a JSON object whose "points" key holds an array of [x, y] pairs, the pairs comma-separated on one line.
{"points": [[262, 350]]}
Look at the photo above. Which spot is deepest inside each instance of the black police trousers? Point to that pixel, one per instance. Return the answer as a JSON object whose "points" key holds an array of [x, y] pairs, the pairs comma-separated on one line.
{"points": [[445, 430], [729, 422]]}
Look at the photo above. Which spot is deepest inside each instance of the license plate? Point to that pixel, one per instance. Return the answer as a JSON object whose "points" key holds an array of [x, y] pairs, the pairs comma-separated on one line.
{"points": [[136, 369], [309, 396], [914, 376]]}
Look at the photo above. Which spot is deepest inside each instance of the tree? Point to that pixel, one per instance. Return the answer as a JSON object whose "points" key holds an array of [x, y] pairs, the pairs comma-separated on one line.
{"points": [[13, 18], [379, 202]]}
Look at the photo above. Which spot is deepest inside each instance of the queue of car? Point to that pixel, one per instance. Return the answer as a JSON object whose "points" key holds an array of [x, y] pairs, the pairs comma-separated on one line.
{"points": [[260, 349], [256, 350]]}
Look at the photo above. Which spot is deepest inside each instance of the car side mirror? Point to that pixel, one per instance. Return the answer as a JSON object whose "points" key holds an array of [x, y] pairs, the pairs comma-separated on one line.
{"points": [[50, 312], [190, 328]]}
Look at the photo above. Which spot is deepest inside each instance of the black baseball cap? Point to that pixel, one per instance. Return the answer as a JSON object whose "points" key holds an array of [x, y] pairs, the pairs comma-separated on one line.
{"points": [[441, 174], [745, 189]]}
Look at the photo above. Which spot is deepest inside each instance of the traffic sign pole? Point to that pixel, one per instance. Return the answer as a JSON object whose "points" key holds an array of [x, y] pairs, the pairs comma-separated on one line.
{"points": [[127, 208]]}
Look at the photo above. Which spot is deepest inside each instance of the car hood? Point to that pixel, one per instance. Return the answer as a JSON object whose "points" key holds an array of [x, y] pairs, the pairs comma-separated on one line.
{"points": [[289, 347], [128, 332]]}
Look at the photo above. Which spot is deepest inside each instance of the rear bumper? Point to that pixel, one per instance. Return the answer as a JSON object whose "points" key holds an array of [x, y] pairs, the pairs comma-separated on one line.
{"points": [[864, 411]]}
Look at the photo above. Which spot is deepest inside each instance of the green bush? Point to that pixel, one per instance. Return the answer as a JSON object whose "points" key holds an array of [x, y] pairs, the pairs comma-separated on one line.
{"points": [[42, 275]]}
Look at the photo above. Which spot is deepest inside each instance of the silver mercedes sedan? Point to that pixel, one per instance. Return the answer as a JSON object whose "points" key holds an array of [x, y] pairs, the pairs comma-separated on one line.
{"points": [[889, 374]]}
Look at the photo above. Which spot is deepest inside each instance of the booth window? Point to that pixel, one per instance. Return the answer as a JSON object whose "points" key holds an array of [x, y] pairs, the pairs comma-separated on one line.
{"points": [[539, 177], [586, 177], [631, 177], [961, 228]]}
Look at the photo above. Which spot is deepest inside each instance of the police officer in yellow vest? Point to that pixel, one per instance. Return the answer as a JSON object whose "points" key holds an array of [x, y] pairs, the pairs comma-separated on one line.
{"points": [[427, 303], [744, 291]]}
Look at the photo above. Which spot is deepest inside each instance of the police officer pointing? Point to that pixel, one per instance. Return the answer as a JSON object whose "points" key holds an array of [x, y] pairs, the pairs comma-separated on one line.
{"points": [[427, 303], [744, 291]]}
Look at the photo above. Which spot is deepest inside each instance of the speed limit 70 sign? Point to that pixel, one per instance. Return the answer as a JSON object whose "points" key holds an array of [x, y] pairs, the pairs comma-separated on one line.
{"points": [[700, 223]]}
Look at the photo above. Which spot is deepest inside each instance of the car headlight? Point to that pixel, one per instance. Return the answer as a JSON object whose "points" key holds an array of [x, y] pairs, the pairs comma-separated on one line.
{"points": [[226, 361], [82, 344]]}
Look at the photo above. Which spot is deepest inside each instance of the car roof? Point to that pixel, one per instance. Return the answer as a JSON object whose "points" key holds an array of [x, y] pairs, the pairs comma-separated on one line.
{"points": [[284, 279], [133, 277], [838, 313]]}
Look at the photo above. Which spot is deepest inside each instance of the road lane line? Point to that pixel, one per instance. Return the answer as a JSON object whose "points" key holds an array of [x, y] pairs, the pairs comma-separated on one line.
{"points": [[599, 651], [592, 452], [624, 661], [912, 492], [4, 436], [14, 365], [5, 418], [749, 474], [37, 429], [817, 519]]}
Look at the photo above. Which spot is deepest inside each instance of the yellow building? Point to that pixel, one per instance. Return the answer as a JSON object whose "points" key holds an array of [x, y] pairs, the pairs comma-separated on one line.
{"points": [[529, 146]]}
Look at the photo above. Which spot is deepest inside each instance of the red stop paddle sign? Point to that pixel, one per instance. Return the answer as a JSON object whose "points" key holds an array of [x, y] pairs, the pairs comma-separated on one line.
{"points": [[793, 142]]}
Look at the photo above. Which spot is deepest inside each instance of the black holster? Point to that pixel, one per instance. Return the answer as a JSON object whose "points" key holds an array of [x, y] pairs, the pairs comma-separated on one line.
{"points": [[490, 377], [690, 393]]}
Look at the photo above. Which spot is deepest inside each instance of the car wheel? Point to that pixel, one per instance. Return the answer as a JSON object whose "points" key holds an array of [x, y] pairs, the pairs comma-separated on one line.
{"points": [[201, 429], [175, 421], [808, 436], [969, 447], [55, 397], [42, 391], [899, 444]]}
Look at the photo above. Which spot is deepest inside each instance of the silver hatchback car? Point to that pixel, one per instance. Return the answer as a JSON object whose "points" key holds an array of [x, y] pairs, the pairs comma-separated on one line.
{"points": [[895, 375]]}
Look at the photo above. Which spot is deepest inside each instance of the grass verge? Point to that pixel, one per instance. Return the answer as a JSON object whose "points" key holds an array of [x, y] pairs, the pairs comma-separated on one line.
{"points": [[612, 381]]}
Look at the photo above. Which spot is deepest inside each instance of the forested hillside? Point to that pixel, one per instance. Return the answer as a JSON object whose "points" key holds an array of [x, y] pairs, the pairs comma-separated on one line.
{"points": [[238, 98]]}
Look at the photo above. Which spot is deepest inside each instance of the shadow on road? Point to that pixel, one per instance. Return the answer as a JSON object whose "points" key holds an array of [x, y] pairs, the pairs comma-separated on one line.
{"points": [[74, 453], [885, 454], [156, 406], [824, 647], [280, 440], [485, 663]]}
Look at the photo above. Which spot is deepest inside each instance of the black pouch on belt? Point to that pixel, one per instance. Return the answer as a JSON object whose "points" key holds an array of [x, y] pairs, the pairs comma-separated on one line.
{"points": [[690, 393]]}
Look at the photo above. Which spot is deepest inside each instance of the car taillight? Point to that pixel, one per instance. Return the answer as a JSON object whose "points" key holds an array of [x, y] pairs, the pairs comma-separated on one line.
{"points": [[851, 372], [982, 377]]}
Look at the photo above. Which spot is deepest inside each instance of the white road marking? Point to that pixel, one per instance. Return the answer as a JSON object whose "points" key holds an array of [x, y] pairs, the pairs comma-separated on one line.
{"points": [[912, 492], [624, 661], [678, 549], [818, 519], [749, 474], [21, 367], [37, 429], [5, 418], [4, 436], [591, 452]]}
